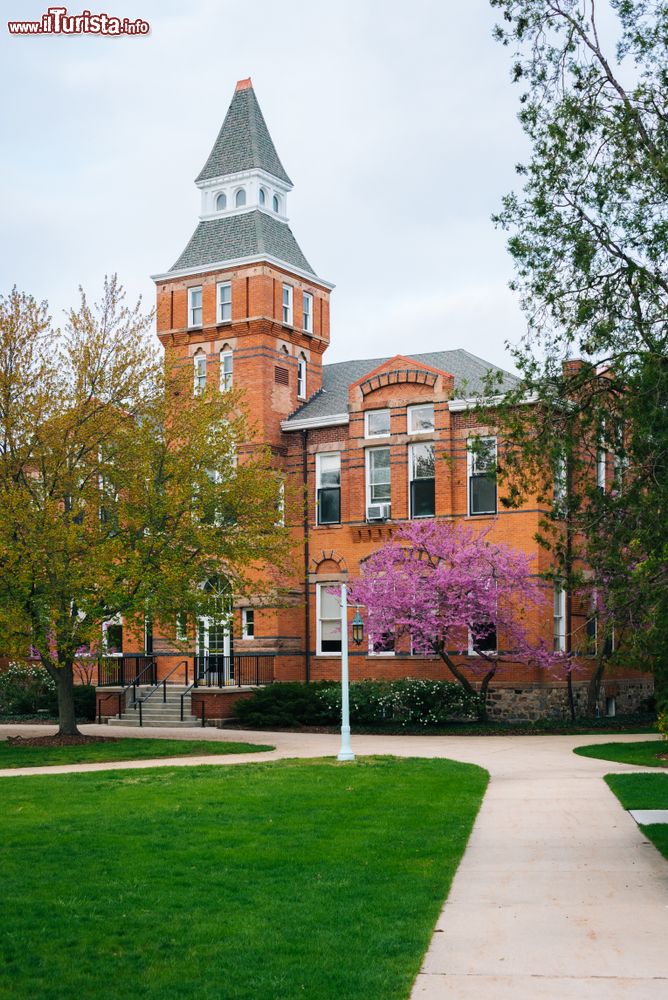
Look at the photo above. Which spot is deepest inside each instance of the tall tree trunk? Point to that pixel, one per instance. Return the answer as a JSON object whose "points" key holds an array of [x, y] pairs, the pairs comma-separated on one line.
{"points": [[594, 686], [64, 677], [461, 678]]}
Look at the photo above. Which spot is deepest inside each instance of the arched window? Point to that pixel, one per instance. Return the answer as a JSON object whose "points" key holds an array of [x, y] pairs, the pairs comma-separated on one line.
{"points": [[226, 368], [240, 198], [214, 634], [301, 377], [263, 196], [221, 202], [276, 203], [199, 361]]}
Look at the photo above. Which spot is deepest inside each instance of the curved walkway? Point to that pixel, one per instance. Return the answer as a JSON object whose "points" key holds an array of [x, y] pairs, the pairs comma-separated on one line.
{"points": [[558, 894]]}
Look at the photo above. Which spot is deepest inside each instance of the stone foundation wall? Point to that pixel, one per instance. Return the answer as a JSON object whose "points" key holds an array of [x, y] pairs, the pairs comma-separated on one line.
{"points": [[540, 701]]}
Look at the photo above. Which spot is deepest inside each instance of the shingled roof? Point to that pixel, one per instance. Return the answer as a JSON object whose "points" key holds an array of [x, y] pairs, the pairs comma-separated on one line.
{"points": [[243, 141], [250, 234], [332, 399]]}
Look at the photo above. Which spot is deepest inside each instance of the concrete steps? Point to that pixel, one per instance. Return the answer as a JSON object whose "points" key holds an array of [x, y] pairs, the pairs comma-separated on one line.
{"points": [[156, 712]]}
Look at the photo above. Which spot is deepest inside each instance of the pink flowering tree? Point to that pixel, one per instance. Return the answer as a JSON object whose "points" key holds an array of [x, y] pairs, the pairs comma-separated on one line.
{"points": [[455, 593]]}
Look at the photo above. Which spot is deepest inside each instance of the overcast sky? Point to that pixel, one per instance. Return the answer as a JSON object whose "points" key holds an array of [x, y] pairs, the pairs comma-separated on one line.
{"points": [[396, 122]]}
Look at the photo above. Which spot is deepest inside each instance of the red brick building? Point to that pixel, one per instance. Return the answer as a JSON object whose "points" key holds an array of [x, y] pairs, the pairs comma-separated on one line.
{"points": [[369, 443]]}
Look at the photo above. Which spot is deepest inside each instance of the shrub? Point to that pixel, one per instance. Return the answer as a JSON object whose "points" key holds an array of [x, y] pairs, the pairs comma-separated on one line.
{"points": [[282, 706], [24, 689], [405, 702]]}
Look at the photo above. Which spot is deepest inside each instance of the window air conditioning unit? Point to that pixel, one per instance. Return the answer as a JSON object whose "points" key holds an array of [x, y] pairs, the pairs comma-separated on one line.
{"points": [[378, 512]]}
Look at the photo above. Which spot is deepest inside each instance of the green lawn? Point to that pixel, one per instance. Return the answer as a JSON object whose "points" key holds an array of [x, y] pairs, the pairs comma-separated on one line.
{"points": [[12, 755], [644, 791], [643, 753], [269, 881]]}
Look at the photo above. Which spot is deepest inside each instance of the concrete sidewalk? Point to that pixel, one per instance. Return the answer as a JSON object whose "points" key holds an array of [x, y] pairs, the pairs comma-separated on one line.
{"points": [[558, 894]]}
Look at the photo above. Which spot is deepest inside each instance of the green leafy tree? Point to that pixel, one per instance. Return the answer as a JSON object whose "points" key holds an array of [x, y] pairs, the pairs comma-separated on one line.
{"points": [[120, 489], [589, 239]]}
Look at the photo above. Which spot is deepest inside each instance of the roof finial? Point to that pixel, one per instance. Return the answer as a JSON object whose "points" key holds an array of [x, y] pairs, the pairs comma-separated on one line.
{"points": [[244, 84]]}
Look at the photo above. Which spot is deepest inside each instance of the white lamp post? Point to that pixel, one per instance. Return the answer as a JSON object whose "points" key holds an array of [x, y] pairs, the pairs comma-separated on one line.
{"points": [[346, 751]]}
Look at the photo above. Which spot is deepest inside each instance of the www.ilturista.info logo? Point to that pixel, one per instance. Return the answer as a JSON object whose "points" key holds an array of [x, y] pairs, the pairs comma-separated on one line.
{"points": [[56, 21]]}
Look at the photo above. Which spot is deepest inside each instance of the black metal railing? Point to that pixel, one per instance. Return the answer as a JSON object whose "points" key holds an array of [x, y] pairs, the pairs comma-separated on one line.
{"points": [[162, 683], [242, 670], [119, 671], [143, 677]]}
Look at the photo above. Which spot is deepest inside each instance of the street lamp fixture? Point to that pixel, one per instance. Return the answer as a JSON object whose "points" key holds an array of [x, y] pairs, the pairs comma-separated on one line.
{"points": [[358, 628]]}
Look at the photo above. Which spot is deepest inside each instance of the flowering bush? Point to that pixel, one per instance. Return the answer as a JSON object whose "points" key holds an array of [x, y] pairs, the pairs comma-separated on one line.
{"points": [[24, 689], [407, 702]]}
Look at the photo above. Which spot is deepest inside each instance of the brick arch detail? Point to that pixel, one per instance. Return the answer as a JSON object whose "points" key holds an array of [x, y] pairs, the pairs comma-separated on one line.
{"points": [[328, 555]]}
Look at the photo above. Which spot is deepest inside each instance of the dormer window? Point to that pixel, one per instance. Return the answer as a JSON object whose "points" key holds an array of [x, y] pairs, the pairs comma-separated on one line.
{"points": [[262, 196], [276, 203], [240, 198], [221, 202]]}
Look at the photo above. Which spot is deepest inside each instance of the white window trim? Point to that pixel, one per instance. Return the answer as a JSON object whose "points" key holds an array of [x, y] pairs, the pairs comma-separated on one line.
{"points": [[287, 309], [469, 473], [601, 467], [367, 477], [226, 385], [367, 433], [245, 622], [559, 630], [181, 630], [116, 620], [307, 314], [199, 356], [410, 410], [560, 488], [301, 377], [382, 652], [191, 291], [471, 651], [318, 481], [419, 444], [219, 305], [318, 620]]}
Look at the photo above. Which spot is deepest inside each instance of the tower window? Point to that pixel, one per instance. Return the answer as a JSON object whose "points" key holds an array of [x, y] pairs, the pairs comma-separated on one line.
{"points": [[240, 198], [308, 312], [328, 487], [276, 203], [224, 302], [195, 306], [200, 372], [221, 202], [225, 368], [301, 377], [287, 305], [262, 196]]}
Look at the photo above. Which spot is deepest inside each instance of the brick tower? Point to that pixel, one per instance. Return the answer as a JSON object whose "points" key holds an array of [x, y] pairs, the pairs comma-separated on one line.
{"points": [[242, 304]]}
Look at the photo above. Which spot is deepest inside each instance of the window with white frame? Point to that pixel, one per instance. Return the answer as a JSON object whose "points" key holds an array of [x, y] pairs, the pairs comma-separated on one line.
{"points": [[378, 491], [247, 623], [276, 203], [280, 505], [482, 639], [262, 197], [221, 202], [112, 636], [287, 305], [308, 312], [301, 377], [328, 487], [181, 627], [377, 423], [224, 301], [422, 472], [195, 306], [328, 619], [240, 198], [601, 464], [421, 418], [382, 646], [560, 479], [226, 370], [481, 461], [199, 361], [559, 618]]}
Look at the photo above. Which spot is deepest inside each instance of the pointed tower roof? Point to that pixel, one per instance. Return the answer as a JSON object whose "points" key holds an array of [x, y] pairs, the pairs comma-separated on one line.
{"points": [[243, 142]]}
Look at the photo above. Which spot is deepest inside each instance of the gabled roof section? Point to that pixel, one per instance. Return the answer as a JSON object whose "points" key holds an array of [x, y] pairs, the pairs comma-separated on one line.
{"points": [[243, 141], [250, 234], [468, 370]]}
